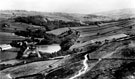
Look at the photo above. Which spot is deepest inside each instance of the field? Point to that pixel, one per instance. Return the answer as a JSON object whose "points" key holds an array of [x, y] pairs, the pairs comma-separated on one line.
{"points": [[104, 61], [8, 37]]}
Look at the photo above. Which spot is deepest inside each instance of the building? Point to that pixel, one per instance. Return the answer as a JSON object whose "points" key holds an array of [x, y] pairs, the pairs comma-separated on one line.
{"points": [[5, 47], [42, 49]]}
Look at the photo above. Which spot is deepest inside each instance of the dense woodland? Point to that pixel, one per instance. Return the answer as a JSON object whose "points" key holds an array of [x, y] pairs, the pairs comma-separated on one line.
{"points": [[46, 23]]}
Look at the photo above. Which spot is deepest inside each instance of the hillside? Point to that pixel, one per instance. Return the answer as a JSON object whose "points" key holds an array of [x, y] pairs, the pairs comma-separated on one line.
{"points": [[92, 17], [119, 14], [52, 16], [102, 50], [114, 14]]}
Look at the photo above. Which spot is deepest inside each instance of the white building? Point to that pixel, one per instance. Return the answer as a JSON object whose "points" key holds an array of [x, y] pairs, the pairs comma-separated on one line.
{"points": [[49, 48], [5, 47]]}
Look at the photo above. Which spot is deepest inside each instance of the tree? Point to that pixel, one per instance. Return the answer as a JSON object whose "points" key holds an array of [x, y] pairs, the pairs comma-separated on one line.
{"points": [[128, 52], [98, 33], [15, 29], [4, 25], [130, 27], [126, 43]]}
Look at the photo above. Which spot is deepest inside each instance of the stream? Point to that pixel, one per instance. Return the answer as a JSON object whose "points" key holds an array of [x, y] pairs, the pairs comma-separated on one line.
{"points": [[84, 68]]}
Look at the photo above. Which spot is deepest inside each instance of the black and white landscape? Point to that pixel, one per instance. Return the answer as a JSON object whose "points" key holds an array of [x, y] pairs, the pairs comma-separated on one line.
{"points": [[67, 42]]}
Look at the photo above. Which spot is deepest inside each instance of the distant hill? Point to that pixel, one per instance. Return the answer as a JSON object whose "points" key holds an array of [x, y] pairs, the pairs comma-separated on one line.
{"points": [[49, 15], [115, 14], [92, 17], [53, 16], [119, 14]]}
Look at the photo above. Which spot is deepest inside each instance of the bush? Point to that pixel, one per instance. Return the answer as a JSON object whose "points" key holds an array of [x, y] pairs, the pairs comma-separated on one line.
{"points": [[32, 33], [128, 52], [4, 25], [126, 42], [35, 20], [66, 44], [126, 69]]}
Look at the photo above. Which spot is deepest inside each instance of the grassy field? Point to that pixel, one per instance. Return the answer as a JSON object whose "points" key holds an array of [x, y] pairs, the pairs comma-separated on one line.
{"points": [[8, 54], [33, 68], [6, 38], [28, 69]]}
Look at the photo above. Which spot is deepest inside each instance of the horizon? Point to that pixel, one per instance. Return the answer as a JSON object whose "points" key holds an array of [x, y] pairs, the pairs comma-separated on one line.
{"points": [[66, 12], [67, 6]]}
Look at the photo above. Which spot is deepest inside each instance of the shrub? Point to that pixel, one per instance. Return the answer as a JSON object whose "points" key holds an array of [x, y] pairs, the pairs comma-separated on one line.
{"points": [[128, 52], [126, 42], [35, 20]]}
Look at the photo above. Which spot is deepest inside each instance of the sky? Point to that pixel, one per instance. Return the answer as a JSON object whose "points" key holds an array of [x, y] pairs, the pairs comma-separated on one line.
{"points": [[67, 6]]}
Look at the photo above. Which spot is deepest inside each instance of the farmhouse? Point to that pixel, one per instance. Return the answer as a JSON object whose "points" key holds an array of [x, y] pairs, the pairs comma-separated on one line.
{"points": [[42, 49], [5, 47], [49, 48]]}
